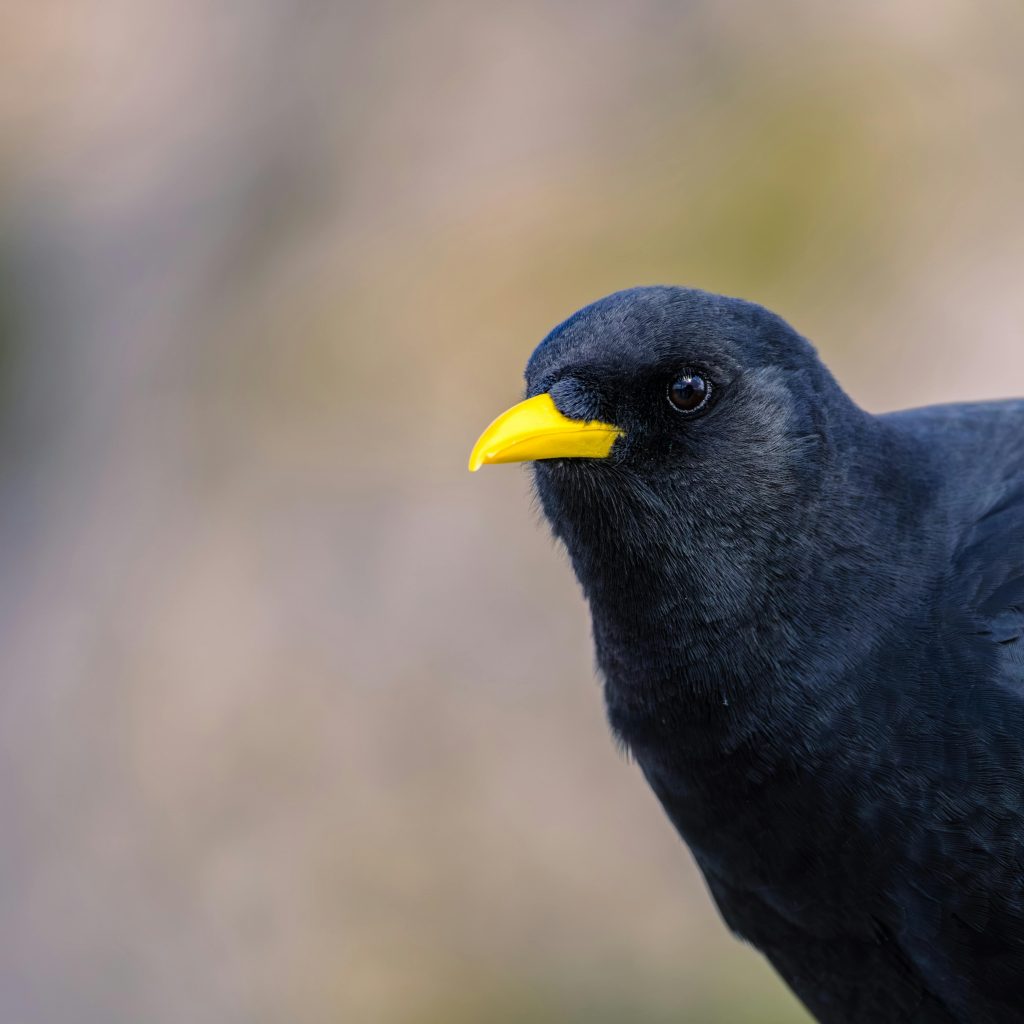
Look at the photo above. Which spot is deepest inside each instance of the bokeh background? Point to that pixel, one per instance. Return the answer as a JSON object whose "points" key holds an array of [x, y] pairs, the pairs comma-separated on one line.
{"points": [[297, 719]]}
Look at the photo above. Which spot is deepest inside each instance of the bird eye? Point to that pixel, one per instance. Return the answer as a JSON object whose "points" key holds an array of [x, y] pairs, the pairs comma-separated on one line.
{"points": [[689, 392]]}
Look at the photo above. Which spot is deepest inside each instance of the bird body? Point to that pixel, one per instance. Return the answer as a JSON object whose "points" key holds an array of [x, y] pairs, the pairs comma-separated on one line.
{"points": [[809, 621]]}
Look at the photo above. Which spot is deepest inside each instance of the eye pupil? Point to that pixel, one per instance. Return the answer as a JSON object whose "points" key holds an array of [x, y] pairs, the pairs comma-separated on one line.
{"points": [[689, 392]]}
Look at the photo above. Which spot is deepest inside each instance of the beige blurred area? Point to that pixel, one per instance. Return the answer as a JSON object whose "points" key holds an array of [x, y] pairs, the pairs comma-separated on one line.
{"points": [[298, 720]]}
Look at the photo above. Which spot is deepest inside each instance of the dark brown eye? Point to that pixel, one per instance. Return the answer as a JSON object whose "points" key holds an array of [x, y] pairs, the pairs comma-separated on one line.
{"points": [[689, 392]]}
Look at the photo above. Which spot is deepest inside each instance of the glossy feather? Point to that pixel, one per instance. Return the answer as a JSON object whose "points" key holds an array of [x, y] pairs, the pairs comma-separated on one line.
{"points": [[810, 625]]}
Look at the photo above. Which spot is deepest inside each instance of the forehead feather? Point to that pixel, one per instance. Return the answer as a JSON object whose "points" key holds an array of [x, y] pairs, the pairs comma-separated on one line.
{"points": [[655, 325]]}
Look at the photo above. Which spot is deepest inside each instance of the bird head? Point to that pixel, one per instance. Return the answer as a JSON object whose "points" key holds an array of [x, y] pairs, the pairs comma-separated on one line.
{"points": [[704, 406]]}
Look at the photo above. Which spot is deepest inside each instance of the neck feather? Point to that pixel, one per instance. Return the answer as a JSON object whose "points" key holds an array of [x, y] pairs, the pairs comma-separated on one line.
{"points": [[709, 623]]}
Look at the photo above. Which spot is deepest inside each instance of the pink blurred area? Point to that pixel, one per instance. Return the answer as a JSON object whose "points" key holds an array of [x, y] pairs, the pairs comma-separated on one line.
{"points": [[297, 719]]}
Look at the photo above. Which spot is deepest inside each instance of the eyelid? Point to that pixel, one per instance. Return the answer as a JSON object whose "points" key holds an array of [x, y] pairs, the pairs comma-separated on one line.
{"points": [[720, 371]]}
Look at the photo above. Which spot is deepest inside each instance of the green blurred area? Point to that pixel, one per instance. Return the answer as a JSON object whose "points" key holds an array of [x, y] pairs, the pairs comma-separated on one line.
{"points": [[298, 720]]}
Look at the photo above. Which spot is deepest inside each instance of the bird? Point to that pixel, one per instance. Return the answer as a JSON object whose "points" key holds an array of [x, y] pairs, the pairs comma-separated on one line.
{"points": [[809, 626]]}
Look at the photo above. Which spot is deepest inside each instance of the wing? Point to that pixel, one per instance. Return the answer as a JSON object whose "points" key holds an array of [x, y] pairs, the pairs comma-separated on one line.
{"points": [[962, 903]]}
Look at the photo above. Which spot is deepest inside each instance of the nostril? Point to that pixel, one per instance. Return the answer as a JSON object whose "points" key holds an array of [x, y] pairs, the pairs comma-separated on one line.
{"points": [[574, 399]]}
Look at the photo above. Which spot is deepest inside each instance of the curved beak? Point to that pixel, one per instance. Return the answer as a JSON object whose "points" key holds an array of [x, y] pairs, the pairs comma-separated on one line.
{"points": [[535, 429]]}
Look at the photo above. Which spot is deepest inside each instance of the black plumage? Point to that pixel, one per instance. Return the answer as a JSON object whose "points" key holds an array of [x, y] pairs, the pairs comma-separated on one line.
{"points": [[809, 621]]}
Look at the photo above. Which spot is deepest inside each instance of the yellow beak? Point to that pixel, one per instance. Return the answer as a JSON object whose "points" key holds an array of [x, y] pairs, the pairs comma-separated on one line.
{"points": [[535, 429]]}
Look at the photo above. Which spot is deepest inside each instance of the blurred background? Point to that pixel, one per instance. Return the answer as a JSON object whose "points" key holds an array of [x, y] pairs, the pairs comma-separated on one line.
{"points": [[297, 719]]}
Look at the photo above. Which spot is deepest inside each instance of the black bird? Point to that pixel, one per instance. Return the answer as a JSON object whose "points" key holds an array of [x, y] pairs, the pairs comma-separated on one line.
{"points": [[809, 621]]}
